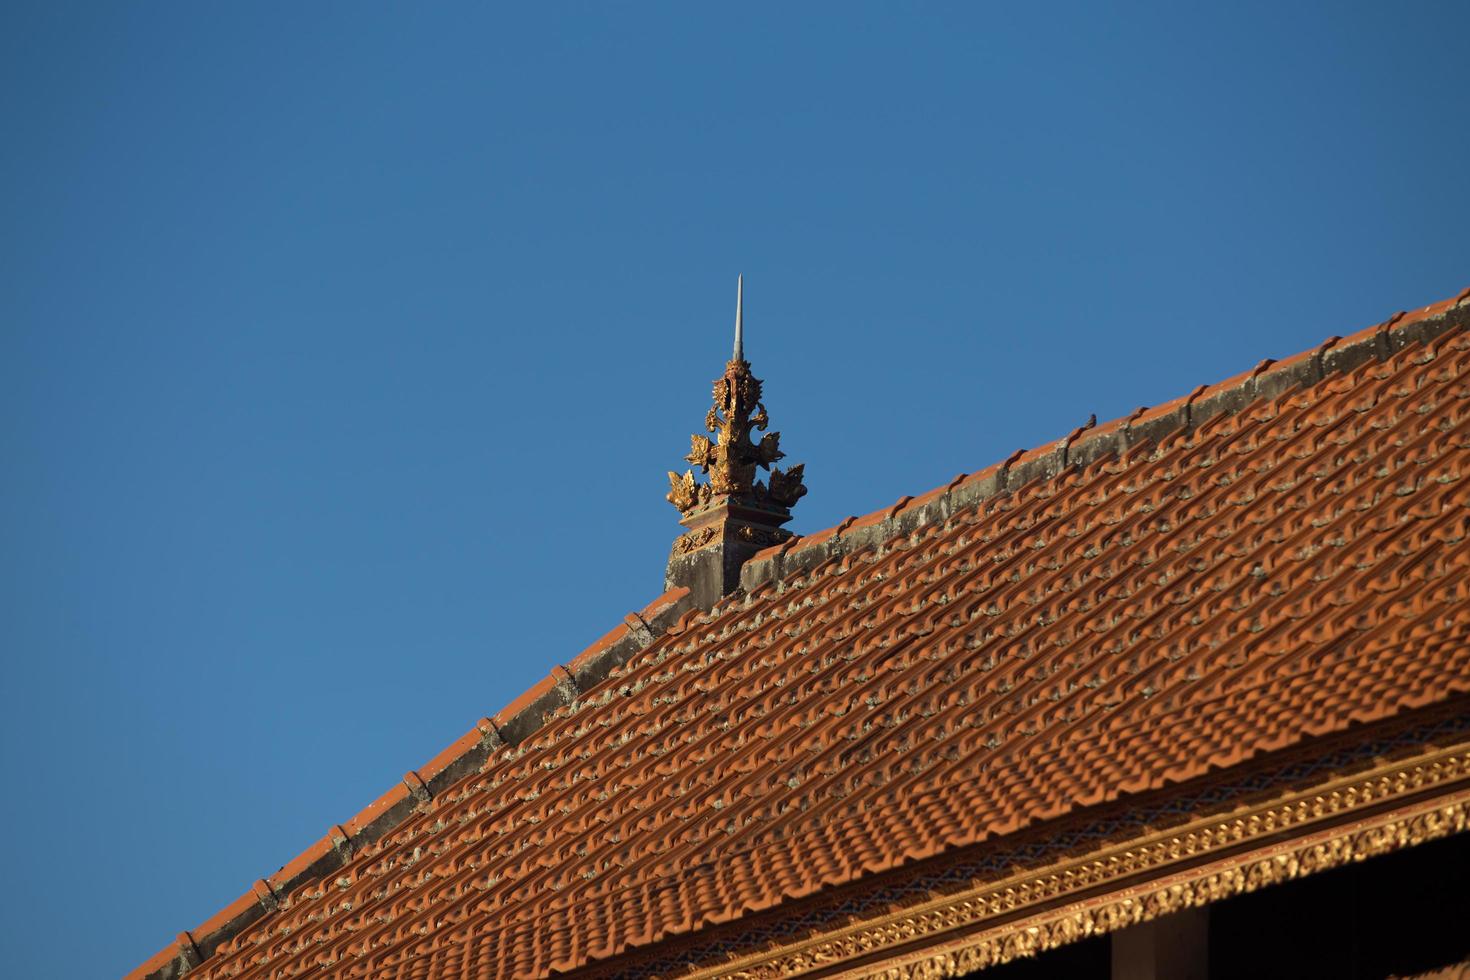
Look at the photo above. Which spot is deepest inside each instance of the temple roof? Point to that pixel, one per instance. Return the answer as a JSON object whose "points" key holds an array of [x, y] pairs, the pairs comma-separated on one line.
{"points": [[1268, 570]]}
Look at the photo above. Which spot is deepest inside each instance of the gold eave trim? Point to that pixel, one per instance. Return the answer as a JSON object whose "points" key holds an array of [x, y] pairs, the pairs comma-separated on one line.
{"points": [[1394, 806]]}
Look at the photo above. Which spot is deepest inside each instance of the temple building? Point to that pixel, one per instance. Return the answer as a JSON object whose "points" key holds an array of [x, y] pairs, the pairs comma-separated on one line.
{"points": [[1185, 694]]}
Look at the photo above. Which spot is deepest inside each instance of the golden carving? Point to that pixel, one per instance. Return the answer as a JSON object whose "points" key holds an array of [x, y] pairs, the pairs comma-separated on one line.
{"points": [[761, 535], [731, 459], [694, 540], [786, 488], [685, 493], [1057, 929], [959, 941], [700, 537]]}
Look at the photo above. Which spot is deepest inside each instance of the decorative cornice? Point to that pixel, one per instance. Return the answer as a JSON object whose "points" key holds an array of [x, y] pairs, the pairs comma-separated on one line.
{"points": [[1394, 832], [1346, 820]]}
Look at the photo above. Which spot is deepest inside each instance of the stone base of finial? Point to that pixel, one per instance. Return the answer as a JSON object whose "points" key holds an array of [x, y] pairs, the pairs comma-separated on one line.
{"points": [[721, 538]]}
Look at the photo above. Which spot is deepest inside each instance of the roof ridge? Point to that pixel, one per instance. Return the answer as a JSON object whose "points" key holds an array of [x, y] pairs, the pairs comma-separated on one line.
{"points": [[675, 611], [1091, 442]]}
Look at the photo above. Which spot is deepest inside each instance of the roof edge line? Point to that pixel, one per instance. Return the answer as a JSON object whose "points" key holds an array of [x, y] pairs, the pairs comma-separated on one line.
{"points": [[1269, 379], [507, 728], [563, 686]]}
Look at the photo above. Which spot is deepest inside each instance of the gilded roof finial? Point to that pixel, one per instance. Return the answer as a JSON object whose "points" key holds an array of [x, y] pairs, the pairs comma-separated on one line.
{"points": [[732, 458]]}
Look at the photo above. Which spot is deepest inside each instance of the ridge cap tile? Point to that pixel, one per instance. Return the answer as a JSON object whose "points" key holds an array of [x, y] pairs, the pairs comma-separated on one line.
{"points": [[1264, 368]]}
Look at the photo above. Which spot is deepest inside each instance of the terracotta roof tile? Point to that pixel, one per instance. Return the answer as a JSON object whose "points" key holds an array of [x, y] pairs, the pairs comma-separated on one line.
{"points": [[1256, 564]]}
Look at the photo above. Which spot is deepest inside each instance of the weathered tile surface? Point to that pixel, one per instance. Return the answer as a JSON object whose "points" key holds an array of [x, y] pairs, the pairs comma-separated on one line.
{"points": [[1277, 569]]}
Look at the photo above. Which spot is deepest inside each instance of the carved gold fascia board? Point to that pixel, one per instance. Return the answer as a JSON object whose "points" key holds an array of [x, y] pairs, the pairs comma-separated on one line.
{"points": [[1395, 806]]}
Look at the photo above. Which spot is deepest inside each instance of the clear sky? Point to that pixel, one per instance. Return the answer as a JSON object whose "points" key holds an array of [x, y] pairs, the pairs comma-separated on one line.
{"points": [[344, 348]]}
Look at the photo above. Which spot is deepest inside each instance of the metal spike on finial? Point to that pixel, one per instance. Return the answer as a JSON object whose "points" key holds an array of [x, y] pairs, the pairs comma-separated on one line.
{"points": [[733, 456], [739, 322]]}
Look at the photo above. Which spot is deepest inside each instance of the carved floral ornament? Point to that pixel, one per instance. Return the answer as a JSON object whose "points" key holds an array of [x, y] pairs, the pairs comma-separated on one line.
{"points": [[731, 459]]}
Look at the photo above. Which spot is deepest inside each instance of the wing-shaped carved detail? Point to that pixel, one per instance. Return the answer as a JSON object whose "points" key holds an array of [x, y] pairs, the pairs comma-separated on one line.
{"points": [[786, 487], [701, 452], [731, 459], [683, 492], [769, 449]]}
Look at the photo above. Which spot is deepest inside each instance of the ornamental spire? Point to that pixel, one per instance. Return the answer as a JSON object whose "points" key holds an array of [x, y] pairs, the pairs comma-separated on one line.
{"points": [[739, 320], [734, 513]]}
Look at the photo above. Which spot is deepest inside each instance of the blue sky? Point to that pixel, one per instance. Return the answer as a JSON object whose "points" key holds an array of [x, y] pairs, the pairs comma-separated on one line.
{"points": [[344, 348]]}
